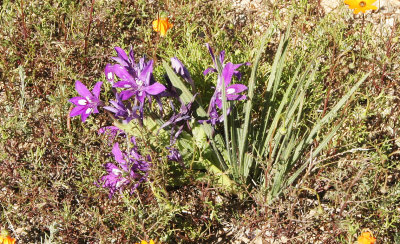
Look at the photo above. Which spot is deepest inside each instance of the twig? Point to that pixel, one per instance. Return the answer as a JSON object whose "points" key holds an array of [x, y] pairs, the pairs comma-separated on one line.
{"points": [[358, 176], [361, 36], [328, 92], [69, 118], [388, 52], [24, 29], [88, 29], [341, 154]]}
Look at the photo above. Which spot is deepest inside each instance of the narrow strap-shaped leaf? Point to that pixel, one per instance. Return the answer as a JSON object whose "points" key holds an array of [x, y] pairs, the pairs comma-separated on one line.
{"points": [[243, 141], [277, 117], [321, 146], [269, 97], [335, 109], [317, 128]]}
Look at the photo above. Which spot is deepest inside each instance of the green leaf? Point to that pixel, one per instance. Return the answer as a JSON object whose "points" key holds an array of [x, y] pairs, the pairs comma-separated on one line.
{"points": [[243, 141]]}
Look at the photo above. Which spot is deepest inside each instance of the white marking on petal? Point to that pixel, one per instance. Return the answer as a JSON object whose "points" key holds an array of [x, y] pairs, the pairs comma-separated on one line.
{"points": [[116, 171], [110, 75], [140, 93], [120, 182], [230, 91], [127, 86], [82, 102], [88, 111], [89, 99]]}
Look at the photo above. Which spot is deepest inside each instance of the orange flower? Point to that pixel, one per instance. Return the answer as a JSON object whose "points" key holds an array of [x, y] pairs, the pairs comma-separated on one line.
{"points": [[162, 25], [5, 238], [361, 5], [366, 238], [145, 242]]}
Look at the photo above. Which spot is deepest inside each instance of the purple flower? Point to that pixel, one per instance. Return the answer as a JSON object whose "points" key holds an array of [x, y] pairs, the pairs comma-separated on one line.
{"points": [[115, 180], [123, 59], [88, 102], [232, 92], [131, 170], [174, 155], [228, 71], [135, 79], [179, 120], [181, 70], [121, 111], [214, 116], [221, 60], [139, 86]]}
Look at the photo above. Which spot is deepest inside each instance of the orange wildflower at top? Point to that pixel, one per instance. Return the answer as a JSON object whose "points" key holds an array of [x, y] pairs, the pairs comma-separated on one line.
{"points": [[162, 25], [6, 239], [361, 5], [366, 238], [145, 242]]}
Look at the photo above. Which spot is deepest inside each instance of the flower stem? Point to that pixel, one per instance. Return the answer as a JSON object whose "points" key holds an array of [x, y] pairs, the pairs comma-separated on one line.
{"points": [[361, 35]]}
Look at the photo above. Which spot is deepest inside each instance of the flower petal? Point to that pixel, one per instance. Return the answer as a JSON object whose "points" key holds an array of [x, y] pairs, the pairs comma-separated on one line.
{"points": [[118, 156], [125, 84], [78, 101], [211, 53], [141, 96], [125, 95], [122, 73], [218, 102], [122, 57], [82, 89], [235, 97], [132, 55], [146, 72], [97, 89], [111, 168], [227, 73], [85, 114], [163, 28], [237, 88], [77, 111], [209, 70], [95, 110], [222, 57], [155, 89], [111, 109]]}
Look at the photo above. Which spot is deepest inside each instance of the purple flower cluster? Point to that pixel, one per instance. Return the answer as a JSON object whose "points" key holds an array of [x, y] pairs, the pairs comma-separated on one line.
{"points": [[177, 122], [131, 169], [135, 79], [133, 84]]}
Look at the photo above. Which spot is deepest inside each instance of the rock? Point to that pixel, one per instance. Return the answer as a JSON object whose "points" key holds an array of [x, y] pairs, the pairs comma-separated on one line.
{"points": [[330, 5]]}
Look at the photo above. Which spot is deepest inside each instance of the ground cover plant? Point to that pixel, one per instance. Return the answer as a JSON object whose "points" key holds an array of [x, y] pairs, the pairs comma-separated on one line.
{"points": [[213, 122]]}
